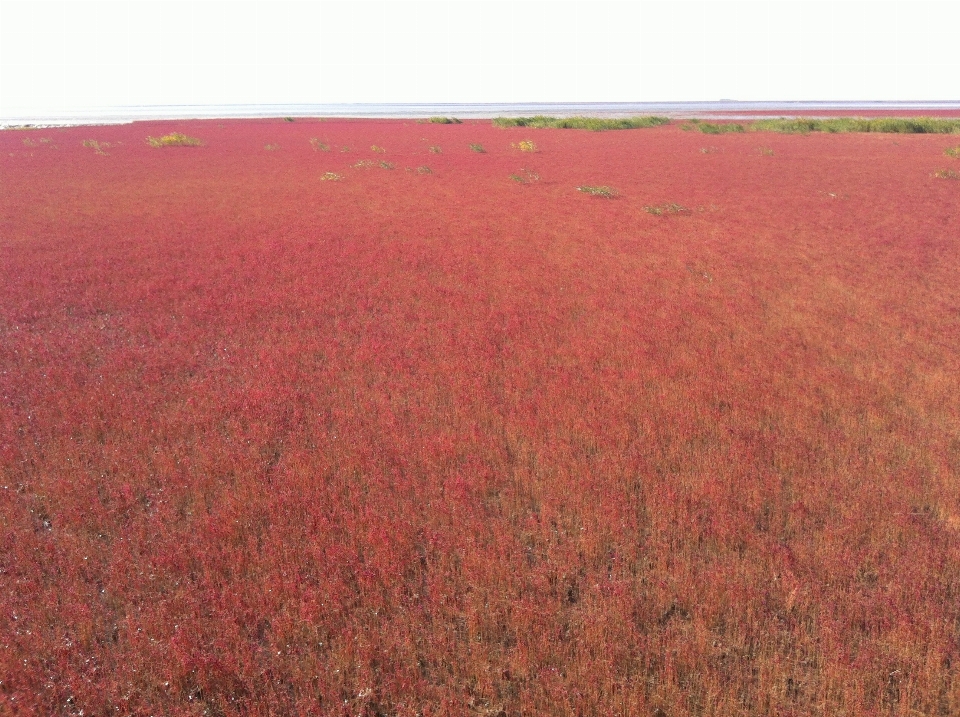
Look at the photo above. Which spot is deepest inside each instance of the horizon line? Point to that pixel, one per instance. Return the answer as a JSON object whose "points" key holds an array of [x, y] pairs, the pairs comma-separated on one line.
{"points": [[470, 110]]}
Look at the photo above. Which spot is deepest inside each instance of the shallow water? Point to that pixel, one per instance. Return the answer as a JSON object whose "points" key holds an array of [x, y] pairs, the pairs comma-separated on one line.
{"points": [[726, 109]]}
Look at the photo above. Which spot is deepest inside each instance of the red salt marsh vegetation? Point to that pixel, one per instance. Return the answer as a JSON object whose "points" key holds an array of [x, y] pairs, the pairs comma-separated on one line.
{"points": [[351, 426]]}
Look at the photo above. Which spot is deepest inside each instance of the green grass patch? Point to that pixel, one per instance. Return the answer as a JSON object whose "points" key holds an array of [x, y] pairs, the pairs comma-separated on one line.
{"points": [[477, 148], [946, 174], [174, 139], [659, 210], [525, 176], [604, 191], [835, 125], [445, 120], [952, 152], [803, 125], [721, 128], [594, 124], [319, 146], [98, 147], [367, 163]]}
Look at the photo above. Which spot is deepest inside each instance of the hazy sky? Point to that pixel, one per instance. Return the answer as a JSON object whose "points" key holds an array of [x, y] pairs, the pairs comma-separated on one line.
{"points": [[63, 56]]}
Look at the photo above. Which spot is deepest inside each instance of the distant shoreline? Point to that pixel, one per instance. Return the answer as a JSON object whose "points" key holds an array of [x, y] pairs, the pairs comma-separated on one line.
{"points": [[676, 110]]}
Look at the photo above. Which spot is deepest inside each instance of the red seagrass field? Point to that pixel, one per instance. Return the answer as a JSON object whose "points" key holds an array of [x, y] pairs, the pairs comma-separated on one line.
{"points": [[351, 418]]}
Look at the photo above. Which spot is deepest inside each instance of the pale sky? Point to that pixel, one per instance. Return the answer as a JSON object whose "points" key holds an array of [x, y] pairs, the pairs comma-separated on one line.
{"points": [[68, 56]]}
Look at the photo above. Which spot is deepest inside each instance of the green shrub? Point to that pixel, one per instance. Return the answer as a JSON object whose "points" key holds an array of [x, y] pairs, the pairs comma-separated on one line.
{"points": [[952, 152], [478, 148], [445, 120]]}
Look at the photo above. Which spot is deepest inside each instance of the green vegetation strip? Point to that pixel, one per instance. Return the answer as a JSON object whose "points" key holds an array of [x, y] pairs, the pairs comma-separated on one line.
{"points": [[595, 124], [835, 125], [710, 128], [796, 125], [896, 125]]}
